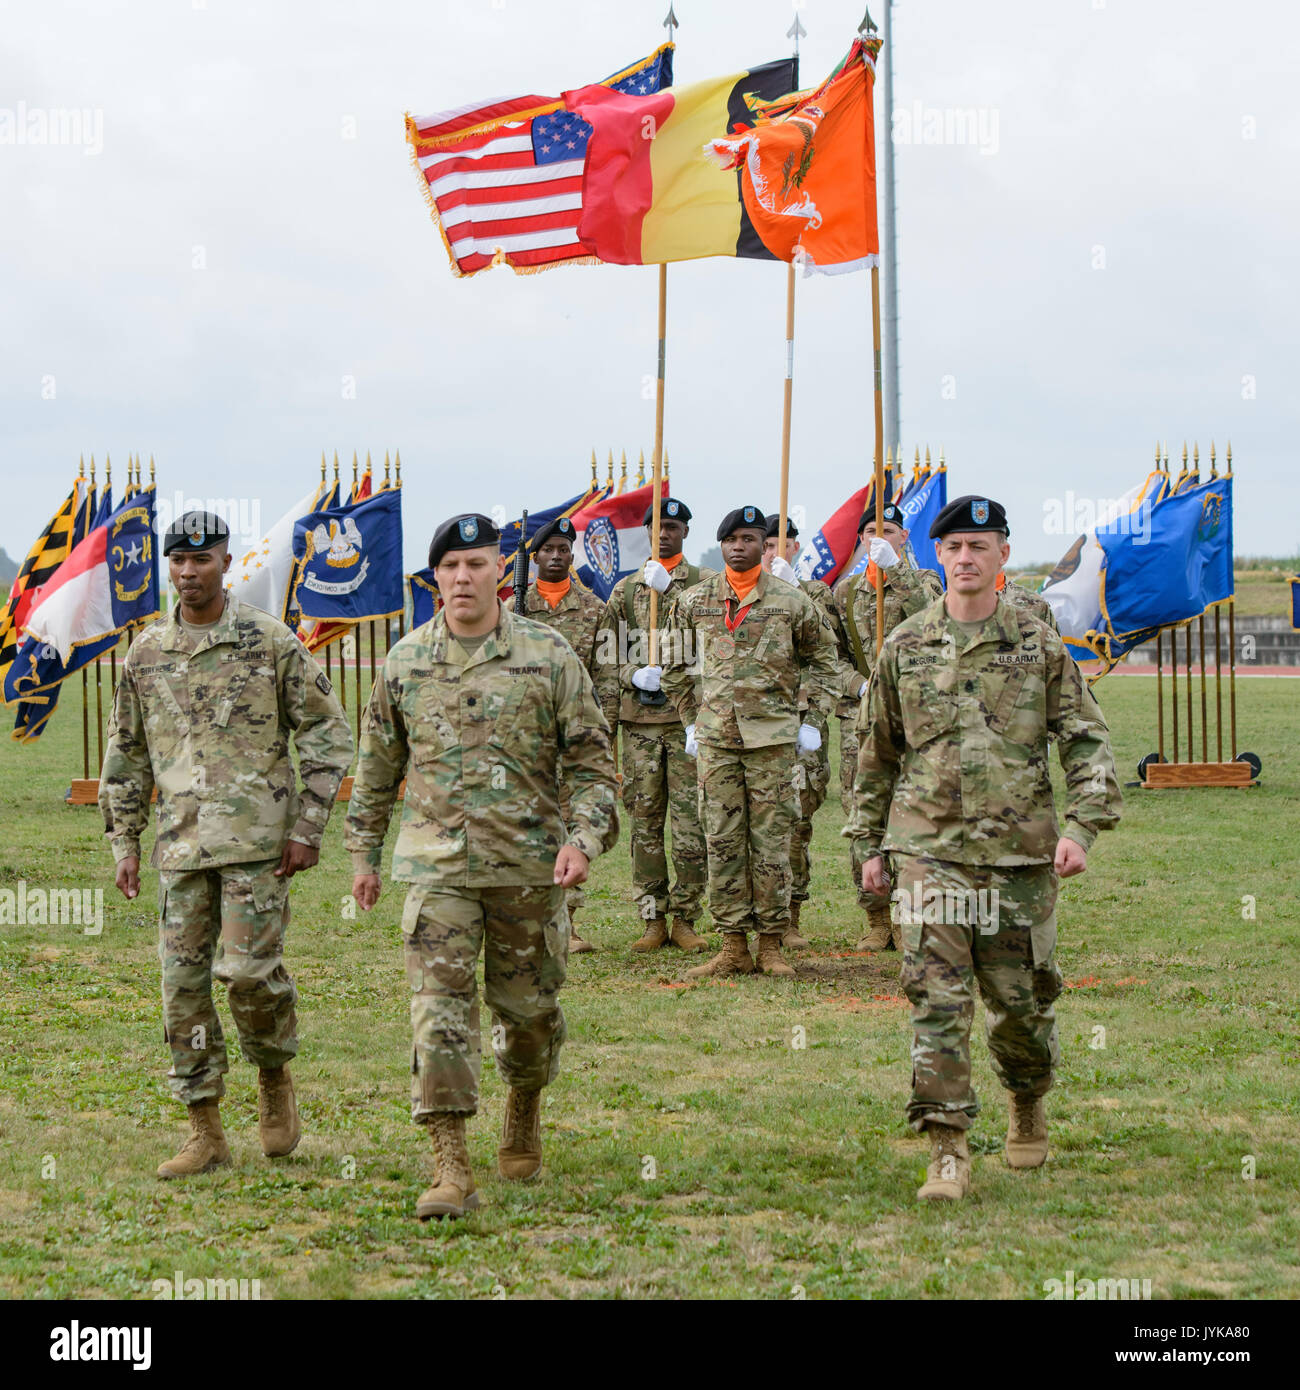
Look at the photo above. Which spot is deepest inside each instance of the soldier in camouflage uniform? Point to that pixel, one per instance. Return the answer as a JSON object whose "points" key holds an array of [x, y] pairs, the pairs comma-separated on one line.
{"points": [[758, 640], [953, 803], [486, 713], [812, 771], [1020, 597], [906, 590], [660, 785], [204, 709], [575, 613]]}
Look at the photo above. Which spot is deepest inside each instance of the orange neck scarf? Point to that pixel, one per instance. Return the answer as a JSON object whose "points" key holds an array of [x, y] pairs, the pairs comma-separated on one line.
{"points": [[743, 581], [672, 562], [1001, 582], [553, 593]]}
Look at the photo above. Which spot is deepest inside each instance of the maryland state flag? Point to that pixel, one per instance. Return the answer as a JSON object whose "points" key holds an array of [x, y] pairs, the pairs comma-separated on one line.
{"points": [[808, 170], [650, 193], [43, 559]]}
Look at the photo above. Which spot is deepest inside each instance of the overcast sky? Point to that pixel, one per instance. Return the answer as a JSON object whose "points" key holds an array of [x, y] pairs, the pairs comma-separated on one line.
{"points": [[1112, 263]]}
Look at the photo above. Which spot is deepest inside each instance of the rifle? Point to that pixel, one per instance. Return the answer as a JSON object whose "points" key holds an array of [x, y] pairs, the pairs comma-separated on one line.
{"points": [[521, 567]]}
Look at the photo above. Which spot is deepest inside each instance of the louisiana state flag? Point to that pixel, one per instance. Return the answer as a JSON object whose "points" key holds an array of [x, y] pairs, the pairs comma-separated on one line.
{"points": [[351, 559], [650, 193]]}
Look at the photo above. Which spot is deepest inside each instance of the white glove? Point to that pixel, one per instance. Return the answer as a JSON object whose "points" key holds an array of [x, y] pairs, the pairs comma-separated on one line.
{"points": [[657, 577], [884, 554], [692, 748], [783, 569], [647, 677], [810, 739]]}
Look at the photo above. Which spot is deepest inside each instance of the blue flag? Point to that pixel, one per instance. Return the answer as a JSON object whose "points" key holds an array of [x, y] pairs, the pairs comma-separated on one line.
{"points": [[1174, 571], [920, 505], [1295, 602], [351, 559], [424, 596]]}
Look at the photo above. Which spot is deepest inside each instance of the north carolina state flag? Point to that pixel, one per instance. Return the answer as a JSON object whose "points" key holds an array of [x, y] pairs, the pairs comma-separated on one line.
{"points": [[808, 170]]}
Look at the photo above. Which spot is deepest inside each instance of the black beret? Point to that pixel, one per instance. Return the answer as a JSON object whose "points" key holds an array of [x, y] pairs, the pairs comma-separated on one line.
{"points": [[774, 525], [892, 513], [466, 532], [669, 506], [561, 526], [743, 518], [195, 531], [970, 513]]}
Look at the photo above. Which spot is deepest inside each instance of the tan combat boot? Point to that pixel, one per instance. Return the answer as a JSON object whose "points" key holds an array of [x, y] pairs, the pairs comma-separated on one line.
{"points": [[685, 937], [277, 1112], [733, 959], [654, 936], [947, 1179], [769, 955], [792, 941], [520, 1155], [576, 944], [205, 1149], [453, 1192], [877, 937], [1027, 1132]]}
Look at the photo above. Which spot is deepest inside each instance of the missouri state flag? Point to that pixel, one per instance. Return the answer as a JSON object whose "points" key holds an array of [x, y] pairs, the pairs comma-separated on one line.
{"points": [[808, 170], [612, 538], [650, 193]]}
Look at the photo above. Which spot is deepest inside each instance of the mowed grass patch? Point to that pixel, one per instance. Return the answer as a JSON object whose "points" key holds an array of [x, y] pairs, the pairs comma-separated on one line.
{"points": [[734, 1138]]}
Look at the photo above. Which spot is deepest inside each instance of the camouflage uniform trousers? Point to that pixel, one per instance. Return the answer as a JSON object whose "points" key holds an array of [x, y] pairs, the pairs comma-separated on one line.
{"points": [[1008, 946], [849, 770], [749, 806], [812, 778], [661, 784], [523, 931], [245, 908]]}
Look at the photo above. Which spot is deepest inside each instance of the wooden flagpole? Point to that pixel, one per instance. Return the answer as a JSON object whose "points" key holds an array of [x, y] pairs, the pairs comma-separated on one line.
{"points": [[796, 31], [657, 462], [868, 27]]}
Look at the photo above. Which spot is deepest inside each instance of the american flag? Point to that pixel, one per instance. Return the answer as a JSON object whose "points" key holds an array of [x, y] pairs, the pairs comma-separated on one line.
{"points": [[505, 176]]}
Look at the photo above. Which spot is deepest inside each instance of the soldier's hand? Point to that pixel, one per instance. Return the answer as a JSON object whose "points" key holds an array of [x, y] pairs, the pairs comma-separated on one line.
{"points": [[128, 875], [884, 554], [783, 569], [1071, 858], [873, 876], [571, 867], [296, 856], [657, 576], [365, 889]]}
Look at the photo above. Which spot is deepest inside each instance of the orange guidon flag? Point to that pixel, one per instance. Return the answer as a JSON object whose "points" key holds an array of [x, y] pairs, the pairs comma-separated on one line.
{"points": [[808, 170], [650, 193]]}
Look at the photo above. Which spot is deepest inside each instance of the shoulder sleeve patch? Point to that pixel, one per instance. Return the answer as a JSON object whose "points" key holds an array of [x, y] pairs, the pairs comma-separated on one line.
{"points": [[323, 684]]}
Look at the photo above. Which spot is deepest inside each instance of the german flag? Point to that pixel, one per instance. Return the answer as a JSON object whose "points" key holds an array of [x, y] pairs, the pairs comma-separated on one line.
{"points": [[650, 194], [49, 552]]}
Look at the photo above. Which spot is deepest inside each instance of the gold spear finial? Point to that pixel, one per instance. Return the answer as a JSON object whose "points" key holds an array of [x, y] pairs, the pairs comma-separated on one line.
{"points": [[1184, 455], [397, 466], [336, 465], [151, 472], [108, 471], [367, 460], [942, 464], [354, 470], [322, 465], [1228, 457], [92, 469], [916, 460], [82, 465], [640, 469], [1196, 454], [609, 470], [385, 468], [595, 482], [1157, 453], [1214, 467], [623, 469], [665, 464]]}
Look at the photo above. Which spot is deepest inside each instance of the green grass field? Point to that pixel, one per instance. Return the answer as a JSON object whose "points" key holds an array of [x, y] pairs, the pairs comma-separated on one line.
{"points": [[691, 1149]]}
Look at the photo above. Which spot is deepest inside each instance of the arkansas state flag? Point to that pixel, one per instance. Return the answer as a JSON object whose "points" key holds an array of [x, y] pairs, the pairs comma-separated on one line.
{"points": [[650, 193], [109, 582], [828, 551], [612, 538], [808, 170]]}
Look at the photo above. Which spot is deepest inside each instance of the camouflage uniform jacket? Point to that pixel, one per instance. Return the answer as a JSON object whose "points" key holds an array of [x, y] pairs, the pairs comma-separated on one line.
{"points": [[483, 739], [1020, 597], [906, 590], [626, 648], [823, 600], [206, 718], [751, 676], [952, 760], [576, 618]]}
